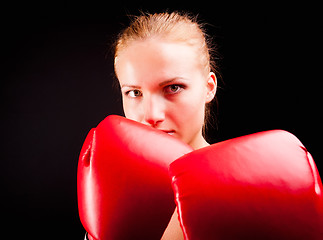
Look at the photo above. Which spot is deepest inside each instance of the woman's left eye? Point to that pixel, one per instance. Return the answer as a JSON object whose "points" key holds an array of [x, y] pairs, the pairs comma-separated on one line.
{"points": [[171, 89]]}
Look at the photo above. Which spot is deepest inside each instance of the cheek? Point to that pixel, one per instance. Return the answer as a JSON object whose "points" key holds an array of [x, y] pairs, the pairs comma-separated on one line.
{"points": [[190, 111], [131, 110]]}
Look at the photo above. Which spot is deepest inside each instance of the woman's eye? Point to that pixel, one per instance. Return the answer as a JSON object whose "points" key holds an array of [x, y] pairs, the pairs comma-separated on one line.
{"points": [[171, 89], [134, 93]]}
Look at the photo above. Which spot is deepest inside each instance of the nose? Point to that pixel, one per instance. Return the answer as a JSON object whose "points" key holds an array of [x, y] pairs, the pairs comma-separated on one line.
{"points": [[154, 111]]}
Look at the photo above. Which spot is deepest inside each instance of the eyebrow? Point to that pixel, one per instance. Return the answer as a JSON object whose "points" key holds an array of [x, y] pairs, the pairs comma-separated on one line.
{"points": [[130, 86], [169, 81], [160, 84]]}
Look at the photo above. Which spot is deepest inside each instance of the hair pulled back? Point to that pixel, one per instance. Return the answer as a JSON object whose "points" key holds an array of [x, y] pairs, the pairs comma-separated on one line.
{"points": [[175, 27]]}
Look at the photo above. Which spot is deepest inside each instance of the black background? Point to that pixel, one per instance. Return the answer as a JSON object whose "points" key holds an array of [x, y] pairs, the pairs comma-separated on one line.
{"points": [[57, 83]]}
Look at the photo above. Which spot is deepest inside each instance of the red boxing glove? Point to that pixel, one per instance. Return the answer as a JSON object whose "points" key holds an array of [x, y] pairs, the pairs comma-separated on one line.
{"points": [[124, 190], [260, 186]]}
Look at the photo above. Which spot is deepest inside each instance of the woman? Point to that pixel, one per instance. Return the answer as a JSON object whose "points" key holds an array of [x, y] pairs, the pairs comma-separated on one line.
{"points": [[167, 79]]}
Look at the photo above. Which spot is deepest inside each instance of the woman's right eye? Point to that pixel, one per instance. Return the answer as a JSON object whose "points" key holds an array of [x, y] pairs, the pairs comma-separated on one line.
{"points": [[134, 93]]}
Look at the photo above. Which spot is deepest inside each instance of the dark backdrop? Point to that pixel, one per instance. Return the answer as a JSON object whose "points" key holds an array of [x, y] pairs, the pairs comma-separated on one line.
{"points": [[57, 84]]}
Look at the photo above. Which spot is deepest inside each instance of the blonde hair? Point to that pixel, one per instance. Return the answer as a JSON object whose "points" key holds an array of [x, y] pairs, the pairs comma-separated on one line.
{"points": [[175, 26]]}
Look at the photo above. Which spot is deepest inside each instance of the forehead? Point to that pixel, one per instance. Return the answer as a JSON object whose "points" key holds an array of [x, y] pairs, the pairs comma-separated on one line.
{"points": [[155, 59]]}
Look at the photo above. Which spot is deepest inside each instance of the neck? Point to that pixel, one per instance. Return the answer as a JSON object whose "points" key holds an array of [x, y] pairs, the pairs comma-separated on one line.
{"points": [[198, 142]]}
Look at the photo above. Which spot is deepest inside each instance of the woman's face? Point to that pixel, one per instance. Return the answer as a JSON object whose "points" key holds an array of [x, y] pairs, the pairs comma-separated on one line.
{"points": [[164, 86]]}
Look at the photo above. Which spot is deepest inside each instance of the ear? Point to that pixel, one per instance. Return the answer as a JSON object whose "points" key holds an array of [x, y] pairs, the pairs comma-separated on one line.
{"points": [[211, 87]]}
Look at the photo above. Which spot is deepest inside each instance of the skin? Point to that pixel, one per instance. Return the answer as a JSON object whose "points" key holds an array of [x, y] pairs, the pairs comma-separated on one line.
{"points": [[164, 85]]}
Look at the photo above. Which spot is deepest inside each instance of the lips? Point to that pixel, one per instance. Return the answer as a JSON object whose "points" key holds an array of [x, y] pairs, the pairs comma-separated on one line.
{"points": [[170, 132]]}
